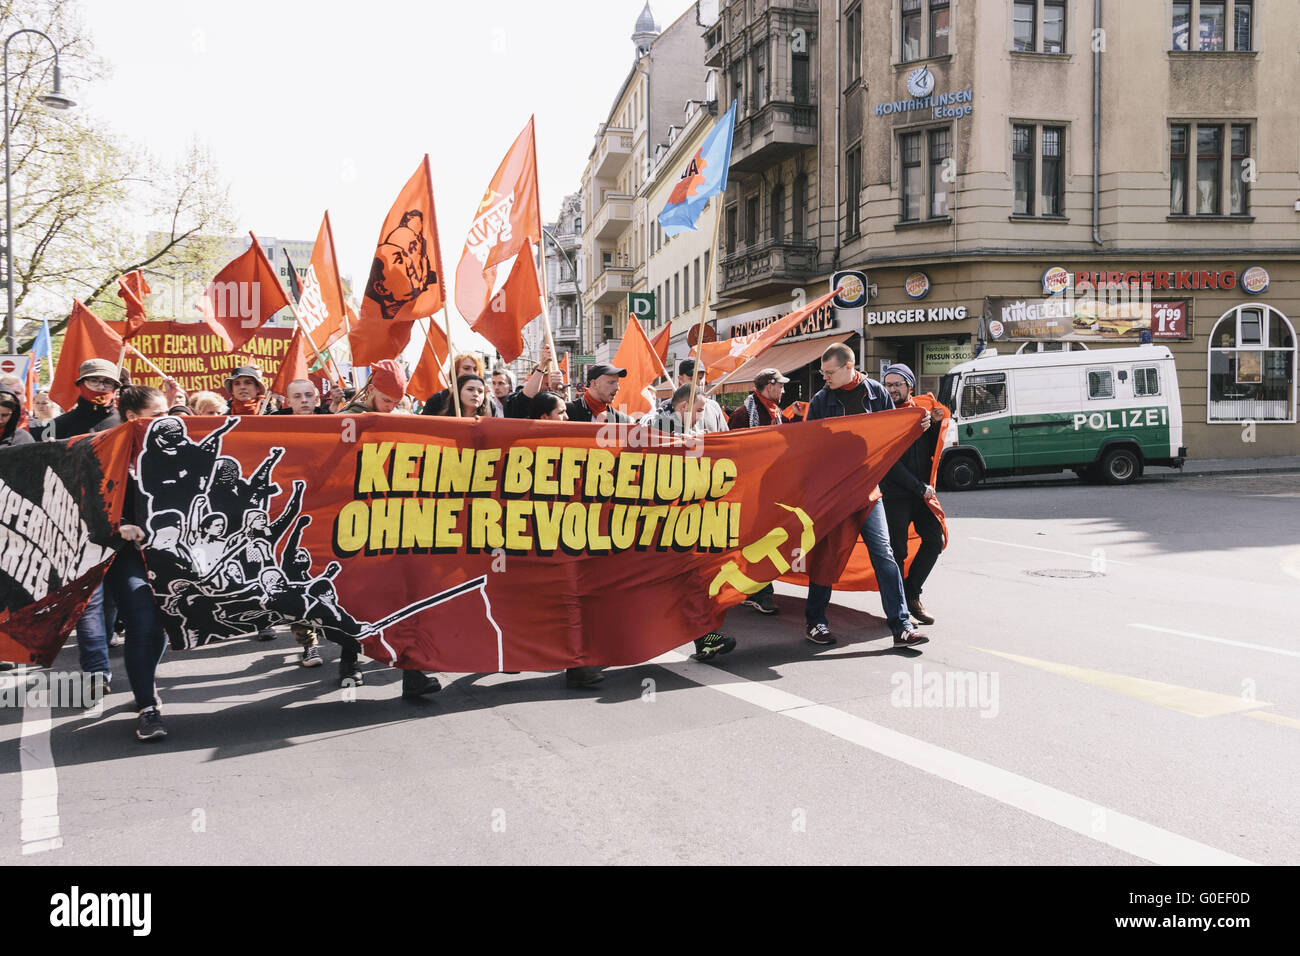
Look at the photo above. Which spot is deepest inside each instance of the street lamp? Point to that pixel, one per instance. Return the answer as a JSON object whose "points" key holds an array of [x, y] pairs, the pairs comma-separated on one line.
{"points": [[54, 100], [572, 268]]}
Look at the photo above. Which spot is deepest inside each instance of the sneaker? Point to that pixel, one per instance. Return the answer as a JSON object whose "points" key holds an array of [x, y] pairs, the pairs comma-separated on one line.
{"points": [[97, 688], [117, 640], [266, 635], [909, 638], [820, 634], [418, 683], [311, 657], [711, 645], [7, 665], [583, 677], [349, 676], [149, 725], [763, 602], [918, 612]]}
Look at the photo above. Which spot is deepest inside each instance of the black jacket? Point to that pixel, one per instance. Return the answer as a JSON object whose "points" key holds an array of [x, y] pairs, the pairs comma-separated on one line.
{"points": [[12, 434], [901, 477], [911, 473], [82, 419], [580, 411]]}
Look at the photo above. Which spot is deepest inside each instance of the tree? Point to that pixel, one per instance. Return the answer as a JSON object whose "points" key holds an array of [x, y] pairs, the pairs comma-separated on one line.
{"points": [[87, 205]]}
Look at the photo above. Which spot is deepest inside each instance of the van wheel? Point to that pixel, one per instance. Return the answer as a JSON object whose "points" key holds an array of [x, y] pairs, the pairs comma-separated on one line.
{"points": [[1120, 466], [961, 473]]}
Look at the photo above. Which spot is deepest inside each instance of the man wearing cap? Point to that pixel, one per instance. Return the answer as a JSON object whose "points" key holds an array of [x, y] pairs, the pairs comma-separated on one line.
{"points": [[761, 407], [593, 405], [247, 391], [908, 493], [96, 410], [382, 393]]}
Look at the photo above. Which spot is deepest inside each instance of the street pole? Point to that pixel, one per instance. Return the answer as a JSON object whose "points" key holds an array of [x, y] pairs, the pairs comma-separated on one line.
{"points": [[57, 101]]}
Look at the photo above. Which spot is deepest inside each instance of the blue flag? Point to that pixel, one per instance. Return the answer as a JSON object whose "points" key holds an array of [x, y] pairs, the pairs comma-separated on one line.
{"points": [[41, 344], [705, 175]]}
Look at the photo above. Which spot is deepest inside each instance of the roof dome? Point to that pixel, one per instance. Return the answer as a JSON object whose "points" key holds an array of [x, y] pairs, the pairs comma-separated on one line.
{"points": [[647, 27]]}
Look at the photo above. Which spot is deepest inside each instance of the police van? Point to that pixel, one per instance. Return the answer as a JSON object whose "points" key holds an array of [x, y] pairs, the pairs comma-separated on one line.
{"points": [[1106, 414]]}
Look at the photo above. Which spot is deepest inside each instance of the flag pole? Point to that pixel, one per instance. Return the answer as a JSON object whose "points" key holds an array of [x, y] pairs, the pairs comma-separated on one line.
{"points": [[338, 284], [541, 247], [704, 304], [451, 357]]}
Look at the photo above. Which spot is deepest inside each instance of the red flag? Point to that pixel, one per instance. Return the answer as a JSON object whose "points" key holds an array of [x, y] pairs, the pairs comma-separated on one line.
{"points": [[86, 337], [564, 367], [643, 367], [508, 218], [294, 366], [660, 343], [428, 378], [406, 278], [132, 288], [517, 303], [241, 297], [321, 308], [723, 358]]}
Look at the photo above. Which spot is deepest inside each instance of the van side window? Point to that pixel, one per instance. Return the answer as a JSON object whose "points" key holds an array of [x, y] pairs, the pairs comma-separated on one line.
{"points": [[1101, 383], [1146, 381], [983, 395]]}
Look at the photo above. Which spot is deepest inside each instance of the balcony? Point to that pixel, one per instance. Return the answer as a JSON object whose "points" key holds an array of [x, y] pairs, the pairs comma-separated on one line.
{"points": [[614, 216], [565, 287], [612, 151], [770, 133], [613, 285], [773, 265]]}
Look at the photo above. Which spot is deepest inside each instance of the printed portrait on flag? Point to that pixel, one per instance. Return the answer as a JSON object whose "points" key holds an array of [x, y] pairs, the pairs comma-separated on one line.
{"points": [[401, 270]]}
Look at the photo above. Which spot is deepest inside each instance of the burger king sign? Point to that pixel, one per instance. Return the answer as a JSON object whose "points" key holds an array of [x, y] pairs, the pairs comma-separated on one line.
{"points": [[1056, 280]]}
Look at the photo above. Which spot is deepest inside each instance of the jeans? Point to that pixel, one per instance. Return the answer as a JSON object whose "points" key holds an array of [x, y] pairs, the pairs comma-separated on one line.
{"points": [[145, 640], [92, 637], [900, 512], [875, 534]]}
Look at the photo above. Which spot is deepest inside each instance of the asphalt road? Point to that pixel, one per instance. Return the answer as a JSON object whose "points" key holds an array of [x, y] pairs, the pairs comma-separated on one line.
{"points": [[1114, 678]]}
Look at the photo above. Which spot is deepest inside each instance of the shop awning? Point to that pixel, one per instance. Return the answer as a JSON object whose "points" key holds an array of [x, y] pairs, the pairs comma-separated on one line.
{"points": [[787, 358]]}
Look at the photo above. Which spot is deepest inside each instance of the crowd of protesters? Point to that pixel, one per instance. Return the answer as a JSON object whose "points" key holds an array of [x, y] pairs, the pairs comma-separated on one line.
{"points": [[125, 600]]}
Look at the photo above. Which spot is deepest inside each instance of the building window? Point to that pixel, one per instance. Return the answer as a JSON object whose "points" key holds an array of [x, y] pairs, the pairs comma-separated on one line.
{"points": [[853, 44], [1209, 169], [1252, 372], [677, 295], [778, 213], [911, 46], [1238, 172], [1100, 383], [939, 26], [696, 296], [800, 86], [759, 60], [732, 215], [1178, 170], [1037, 176], [797, 226], [1038, 26], [853, 192], [751, 221], [909, 151], [607, 328], [940, 151], [686, 288], [1211, 19], [1146, 382]]}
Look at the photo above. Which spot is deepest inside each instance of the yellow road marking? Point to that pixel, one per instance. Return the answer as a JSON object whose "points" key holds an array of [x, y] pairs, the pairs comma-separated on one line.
{"points": [[1187, 700]]}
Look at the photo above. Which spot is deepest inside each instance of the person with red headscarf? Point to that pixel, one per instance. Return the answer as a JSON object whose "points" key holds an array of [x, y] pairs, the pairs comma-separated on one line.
{"points": [[383, 393]]}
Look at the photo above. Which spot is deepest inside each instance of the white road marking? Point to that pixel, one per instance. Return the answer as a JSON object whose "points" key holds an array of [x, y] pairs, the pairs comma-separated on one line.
{"points": [[40, 779], [1081, 816], [1069, 554], [1218, 640]]}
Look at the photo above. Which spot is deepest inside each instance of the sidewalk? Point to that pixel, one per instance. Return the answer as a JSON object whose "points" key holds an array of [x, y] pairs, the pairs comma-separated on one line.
{"points": [[1241, 466]]}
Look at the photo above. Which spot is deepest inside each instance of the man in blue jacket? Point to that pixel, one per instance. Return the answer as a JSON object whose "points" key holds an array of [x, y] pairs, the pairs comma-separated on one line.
{"points": [[848, 392]]}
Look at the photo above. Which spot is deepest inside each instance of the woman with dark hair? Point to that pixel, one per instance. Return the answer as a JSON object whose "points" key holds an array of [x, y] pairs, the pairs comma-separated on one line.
{"points": [[547, 406], [473, 399], [11, 412]]}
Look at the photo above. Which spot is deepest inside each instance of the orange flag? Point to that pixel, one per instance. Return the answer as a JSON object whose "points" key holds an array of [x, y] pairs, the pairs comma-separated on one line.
{"points": [[293, 367], [723, 358], [30, 381], [86, 337], [406, 279], [132, 288], [428, 379], [564, 367], [241, 297], [321, 307], [660, 343], [643, 367], [508, 218], [517, 303]]}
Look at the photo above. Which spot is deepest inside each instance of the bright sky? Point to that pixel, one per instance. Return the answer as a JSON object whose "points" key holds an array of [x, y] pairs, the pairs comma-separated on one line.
{"points": [[315, 105]]}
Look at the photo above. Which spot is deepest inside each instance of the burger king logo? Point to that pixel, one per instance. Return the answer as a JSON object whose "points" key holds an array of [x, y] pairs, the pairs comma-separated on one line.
{"points": [[995, 329], [917, 285], [851, 289], [1055, 281], [1255, 280]]}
